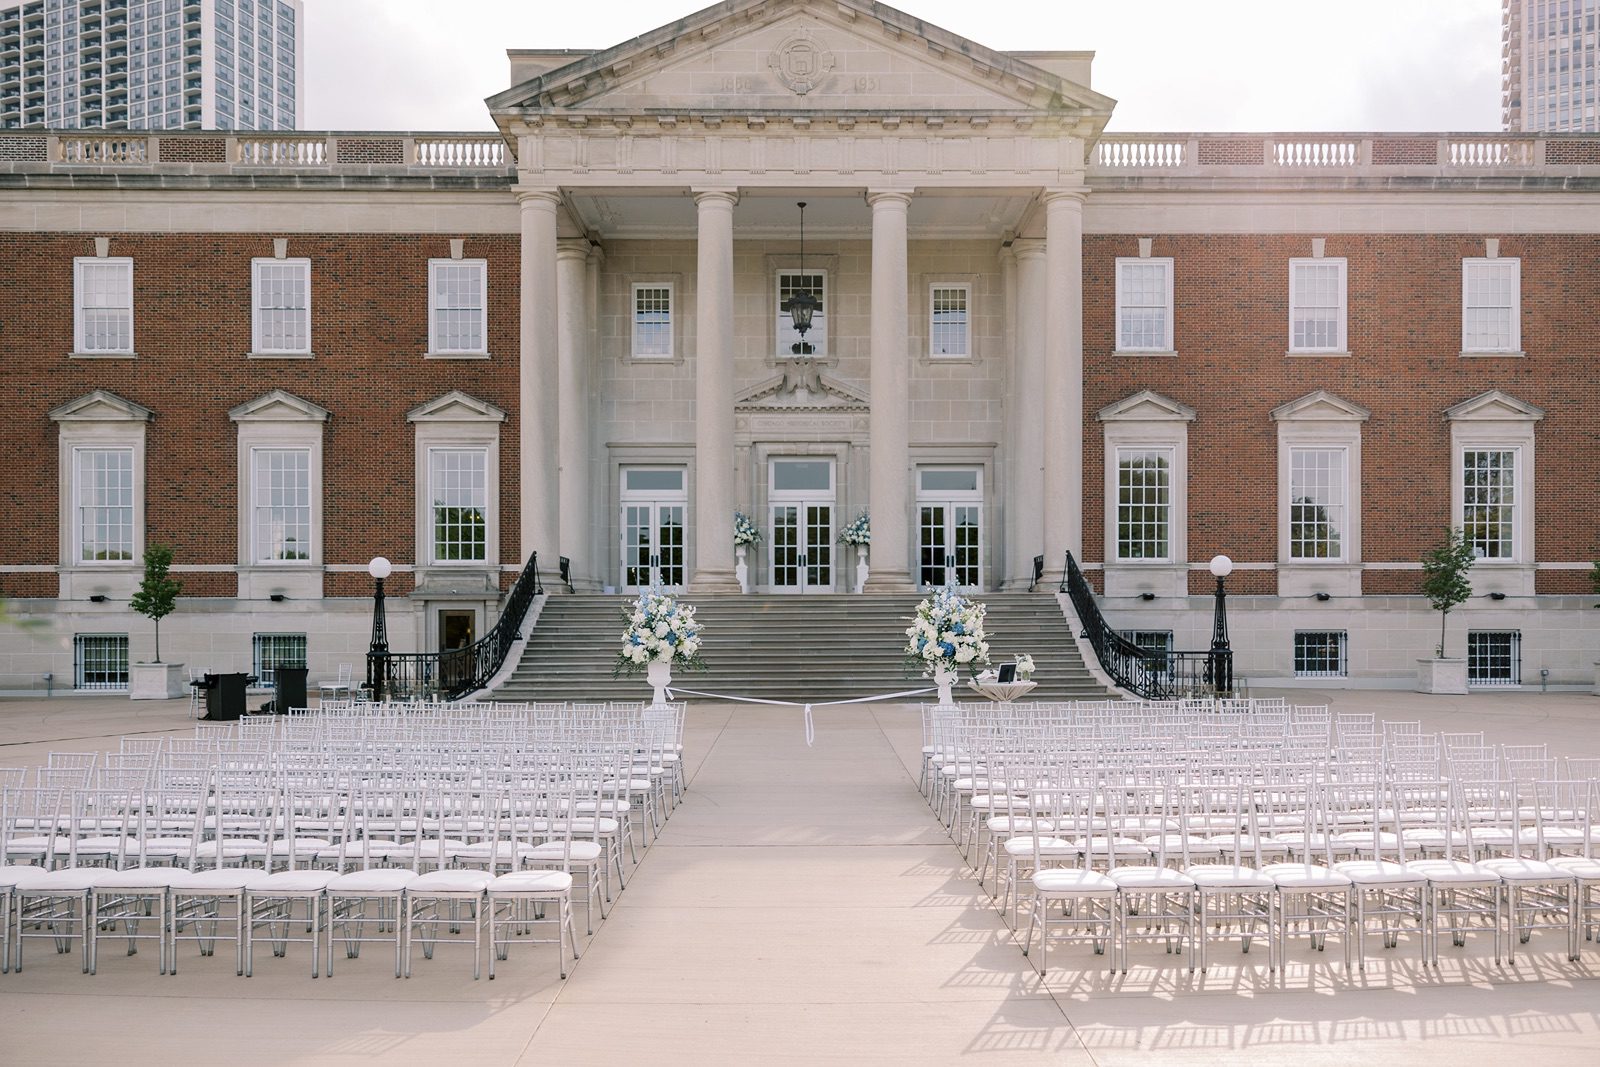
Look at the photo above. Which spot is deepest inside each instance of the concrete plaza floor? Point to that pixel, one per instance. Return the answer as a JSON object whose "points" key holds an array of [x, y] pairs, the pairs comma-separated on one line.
{"points": [[803, 905]]}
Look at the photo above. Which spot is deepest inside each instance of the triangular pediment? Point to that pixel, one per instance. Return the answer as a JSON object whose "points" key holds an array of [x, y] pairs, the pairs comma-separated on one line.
{"points": [[101, 406], [1320, 406], [801, 388], [753, 56], [279, 406], [1494, 406], [456, 406], [1146, 406]]}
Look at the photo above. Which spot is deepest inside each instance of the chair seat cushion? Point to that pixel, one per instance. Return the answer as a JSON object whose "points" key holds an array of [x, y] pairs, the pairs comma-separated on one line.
{"points": [[227, 879], [550, 882], [1455, 873], [65, 880], [1048, 846], [1580, 867], [1305, 876], [304, 846], [295, 882], [142, 878], [372, 880], [1144, 877], [1379, 872], [580, 852], [452, 881], [1006, 824], [1070, 880], [1228, 876], [1519, 870]]}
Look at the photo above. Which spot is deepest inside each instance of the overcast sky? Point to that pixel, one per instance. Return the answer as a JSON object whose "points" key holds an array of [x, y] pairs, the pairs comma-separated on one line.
{"points": [[1172, 65]]}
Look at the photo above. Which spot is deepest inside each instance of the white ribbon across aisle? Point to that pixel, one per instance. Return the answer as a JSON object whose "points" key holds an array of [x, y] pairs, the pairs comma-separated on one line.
{"points": [[811, 729]]}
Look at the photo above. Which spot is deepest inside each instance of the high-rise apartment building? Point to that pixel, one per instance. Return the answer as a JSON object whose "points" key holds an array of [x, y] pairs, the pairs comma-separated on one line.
{"points": [[1547, 65], [151, 64]]}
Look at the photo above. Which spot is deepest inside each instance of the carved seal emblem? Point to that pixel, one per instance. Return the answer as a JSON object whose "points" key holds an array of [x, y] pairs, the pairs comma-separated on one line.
{"points": [[801, 62]]}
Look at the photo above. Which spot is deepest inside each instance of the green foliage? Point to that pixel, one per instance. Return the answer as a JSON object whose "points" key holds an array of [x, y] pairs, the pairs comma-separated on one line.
{"points": [[1445, 581], [157, 595], [1594, 576]]}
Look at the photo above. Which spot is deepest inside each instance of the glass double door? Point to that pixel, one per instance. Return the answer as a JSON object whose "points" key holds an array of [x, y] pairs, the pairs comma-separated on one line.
{"points": [[950, 528], [800, 514], [654, 504]]}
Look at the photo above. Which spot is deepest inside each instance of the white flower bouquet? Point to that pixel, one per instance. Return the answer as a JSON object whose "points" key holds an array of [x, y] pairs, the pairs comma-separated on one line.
{"points": [[660, 630], [1024, 667], [947, 633], [744, 531], [858, 532]]}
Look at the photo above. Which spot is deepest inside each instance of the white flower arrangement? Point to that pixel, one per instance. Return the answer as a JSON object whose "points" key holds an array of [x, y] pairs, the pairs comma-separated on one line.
{"points": [[660, 630], [947, 633], [744, 531], [1024, 667], [858, 532]]}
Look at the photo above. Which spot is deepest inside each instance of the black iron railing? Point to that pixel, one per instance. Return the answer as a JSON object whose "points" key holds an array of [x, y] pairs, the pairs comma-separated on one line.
{"points": [[1154, 674], [453, 674]]}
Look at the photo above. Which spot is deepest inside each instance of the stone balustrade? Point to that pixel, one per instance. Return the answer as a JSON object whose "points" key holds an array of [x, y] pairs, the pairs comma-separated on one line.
{"points": [[209, 151], [1341, 154]]}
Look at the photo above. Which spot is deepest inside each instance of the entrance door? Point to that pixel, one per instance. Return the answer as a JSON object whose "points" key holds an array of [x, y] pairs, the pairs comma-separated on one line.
{"points": [[800, 501], [950, 527], [654, 503], [457, 632]]}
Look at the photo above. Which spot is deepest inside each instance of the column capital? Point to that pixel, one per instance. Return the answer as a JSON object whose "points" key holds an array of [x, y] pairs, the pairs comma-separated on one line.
{"points": [[570, 248], [704, 197], [1028, 247], [888, 198], [1075, 194], [537, 197]]}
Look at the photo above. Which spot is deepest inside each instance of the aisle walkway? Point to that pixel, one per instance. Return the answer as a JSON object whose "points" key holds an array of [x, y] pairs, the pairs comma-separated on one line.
{"points": [[803, 906]]}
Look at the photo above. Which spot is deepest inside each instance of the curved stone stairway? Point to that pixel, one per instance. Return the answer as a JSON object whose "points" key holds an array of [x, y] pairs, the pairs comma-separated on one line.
{"points": [[815, 648]]}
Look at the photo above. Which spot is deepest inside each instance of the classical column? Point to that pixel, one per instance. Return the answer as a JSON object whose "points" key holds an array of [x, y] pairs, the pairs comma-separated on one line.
{"points": [[1062, 434], [572, 392], [538, 406], [1025, 496], [889, 476], [713, 395]]}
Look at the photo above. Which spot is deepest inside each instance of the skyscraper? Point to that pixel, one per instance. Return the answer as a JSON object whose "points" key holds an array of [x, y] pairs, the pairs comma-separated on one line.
{"points": [[1547, 65], [151, 64]]}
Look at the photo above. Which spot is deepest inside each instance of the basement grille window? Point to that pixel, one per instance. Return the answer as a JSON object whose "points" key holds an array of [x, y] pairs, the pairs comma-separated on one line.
{"points": [[1320, 654], [272, 651], [100, 661], [1494, 657]]}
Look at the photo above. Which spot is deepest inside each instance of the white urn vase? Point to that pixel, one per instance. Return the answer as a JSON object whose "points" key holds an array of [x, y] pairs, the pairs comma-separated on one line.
{"points": [[741, 566], [861, 567], [945, 679], [659, 675]]}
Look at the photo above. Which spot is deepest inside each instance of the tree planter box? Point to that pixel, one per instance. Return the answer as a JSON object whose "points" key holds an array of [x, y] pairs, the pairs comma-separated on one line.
{"points": [[1442, 676], [155, 681], [1596, 689]]}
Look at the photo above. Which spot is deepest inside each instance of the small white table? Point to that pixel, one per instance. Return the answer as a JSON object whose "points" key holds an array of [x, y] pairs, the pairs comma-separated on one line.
{"points": [[1002, 692]]}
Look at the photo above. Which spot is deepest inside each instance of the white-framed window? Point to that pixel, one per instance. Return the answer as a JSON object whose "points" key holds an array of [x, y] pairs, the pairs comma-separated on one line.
{"points": [[1154, 640], [271, 651], [280, 507], [1321, 654], [789, 283], [458, 302], [1318, 495], [458, 485], [102, 304], [1489, 500], [280, 305], [1494, 657], [652, 320], [103, 481], [1491, 305], [1317, 305], [1144, 305], [1144, 503], [100, 661], [949, 321]]}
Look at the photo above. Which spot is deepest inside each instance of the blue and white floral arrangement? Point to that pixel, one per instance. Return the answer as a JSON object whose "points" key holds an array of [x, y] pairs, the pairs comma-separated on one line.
{"points": [[858, 532], [660, 630], [744, 531], [947, 633]]}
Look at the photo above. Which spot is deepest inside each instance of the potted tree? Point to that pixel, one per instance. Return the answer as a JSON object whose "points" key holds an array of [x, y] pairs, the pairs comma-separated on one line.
{"points": [[1594, 578], [1445, 583], [155, 598]]}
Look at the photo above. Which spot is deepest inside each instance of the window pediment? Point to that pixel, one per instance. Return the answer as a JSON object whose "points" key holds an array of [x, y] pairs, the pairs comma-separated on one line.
{"points": [[1494, 406], [456, 406], [801, 388], [101, 406], [279, 406], [1146, 406], [1320, 406]]}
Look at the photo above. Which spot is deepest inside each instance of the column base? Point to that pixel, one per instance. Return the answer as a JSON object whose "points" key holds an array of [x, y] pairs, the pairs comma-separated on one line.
{"points": [[713, 581], [886, 581]]}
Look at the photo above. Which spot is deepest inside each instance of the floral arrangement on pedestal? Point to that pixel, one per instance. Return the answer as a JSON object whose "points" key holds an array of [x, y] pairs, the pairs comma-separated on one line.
{"points": [[745, 531], [660, 630], [858, 532], [947, 633], [1024, 667]]}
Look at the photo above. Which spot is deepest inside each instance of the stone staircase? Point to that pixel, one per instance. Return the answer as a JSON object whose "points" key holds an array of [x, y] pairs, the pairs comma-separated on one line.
{"points": [[816, 648]]}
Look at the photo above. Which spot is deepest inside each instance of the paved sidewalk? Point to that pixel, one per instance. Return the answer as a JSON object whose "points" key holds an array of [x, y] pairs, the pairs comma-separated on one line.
{"points": [[804, 906]]}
